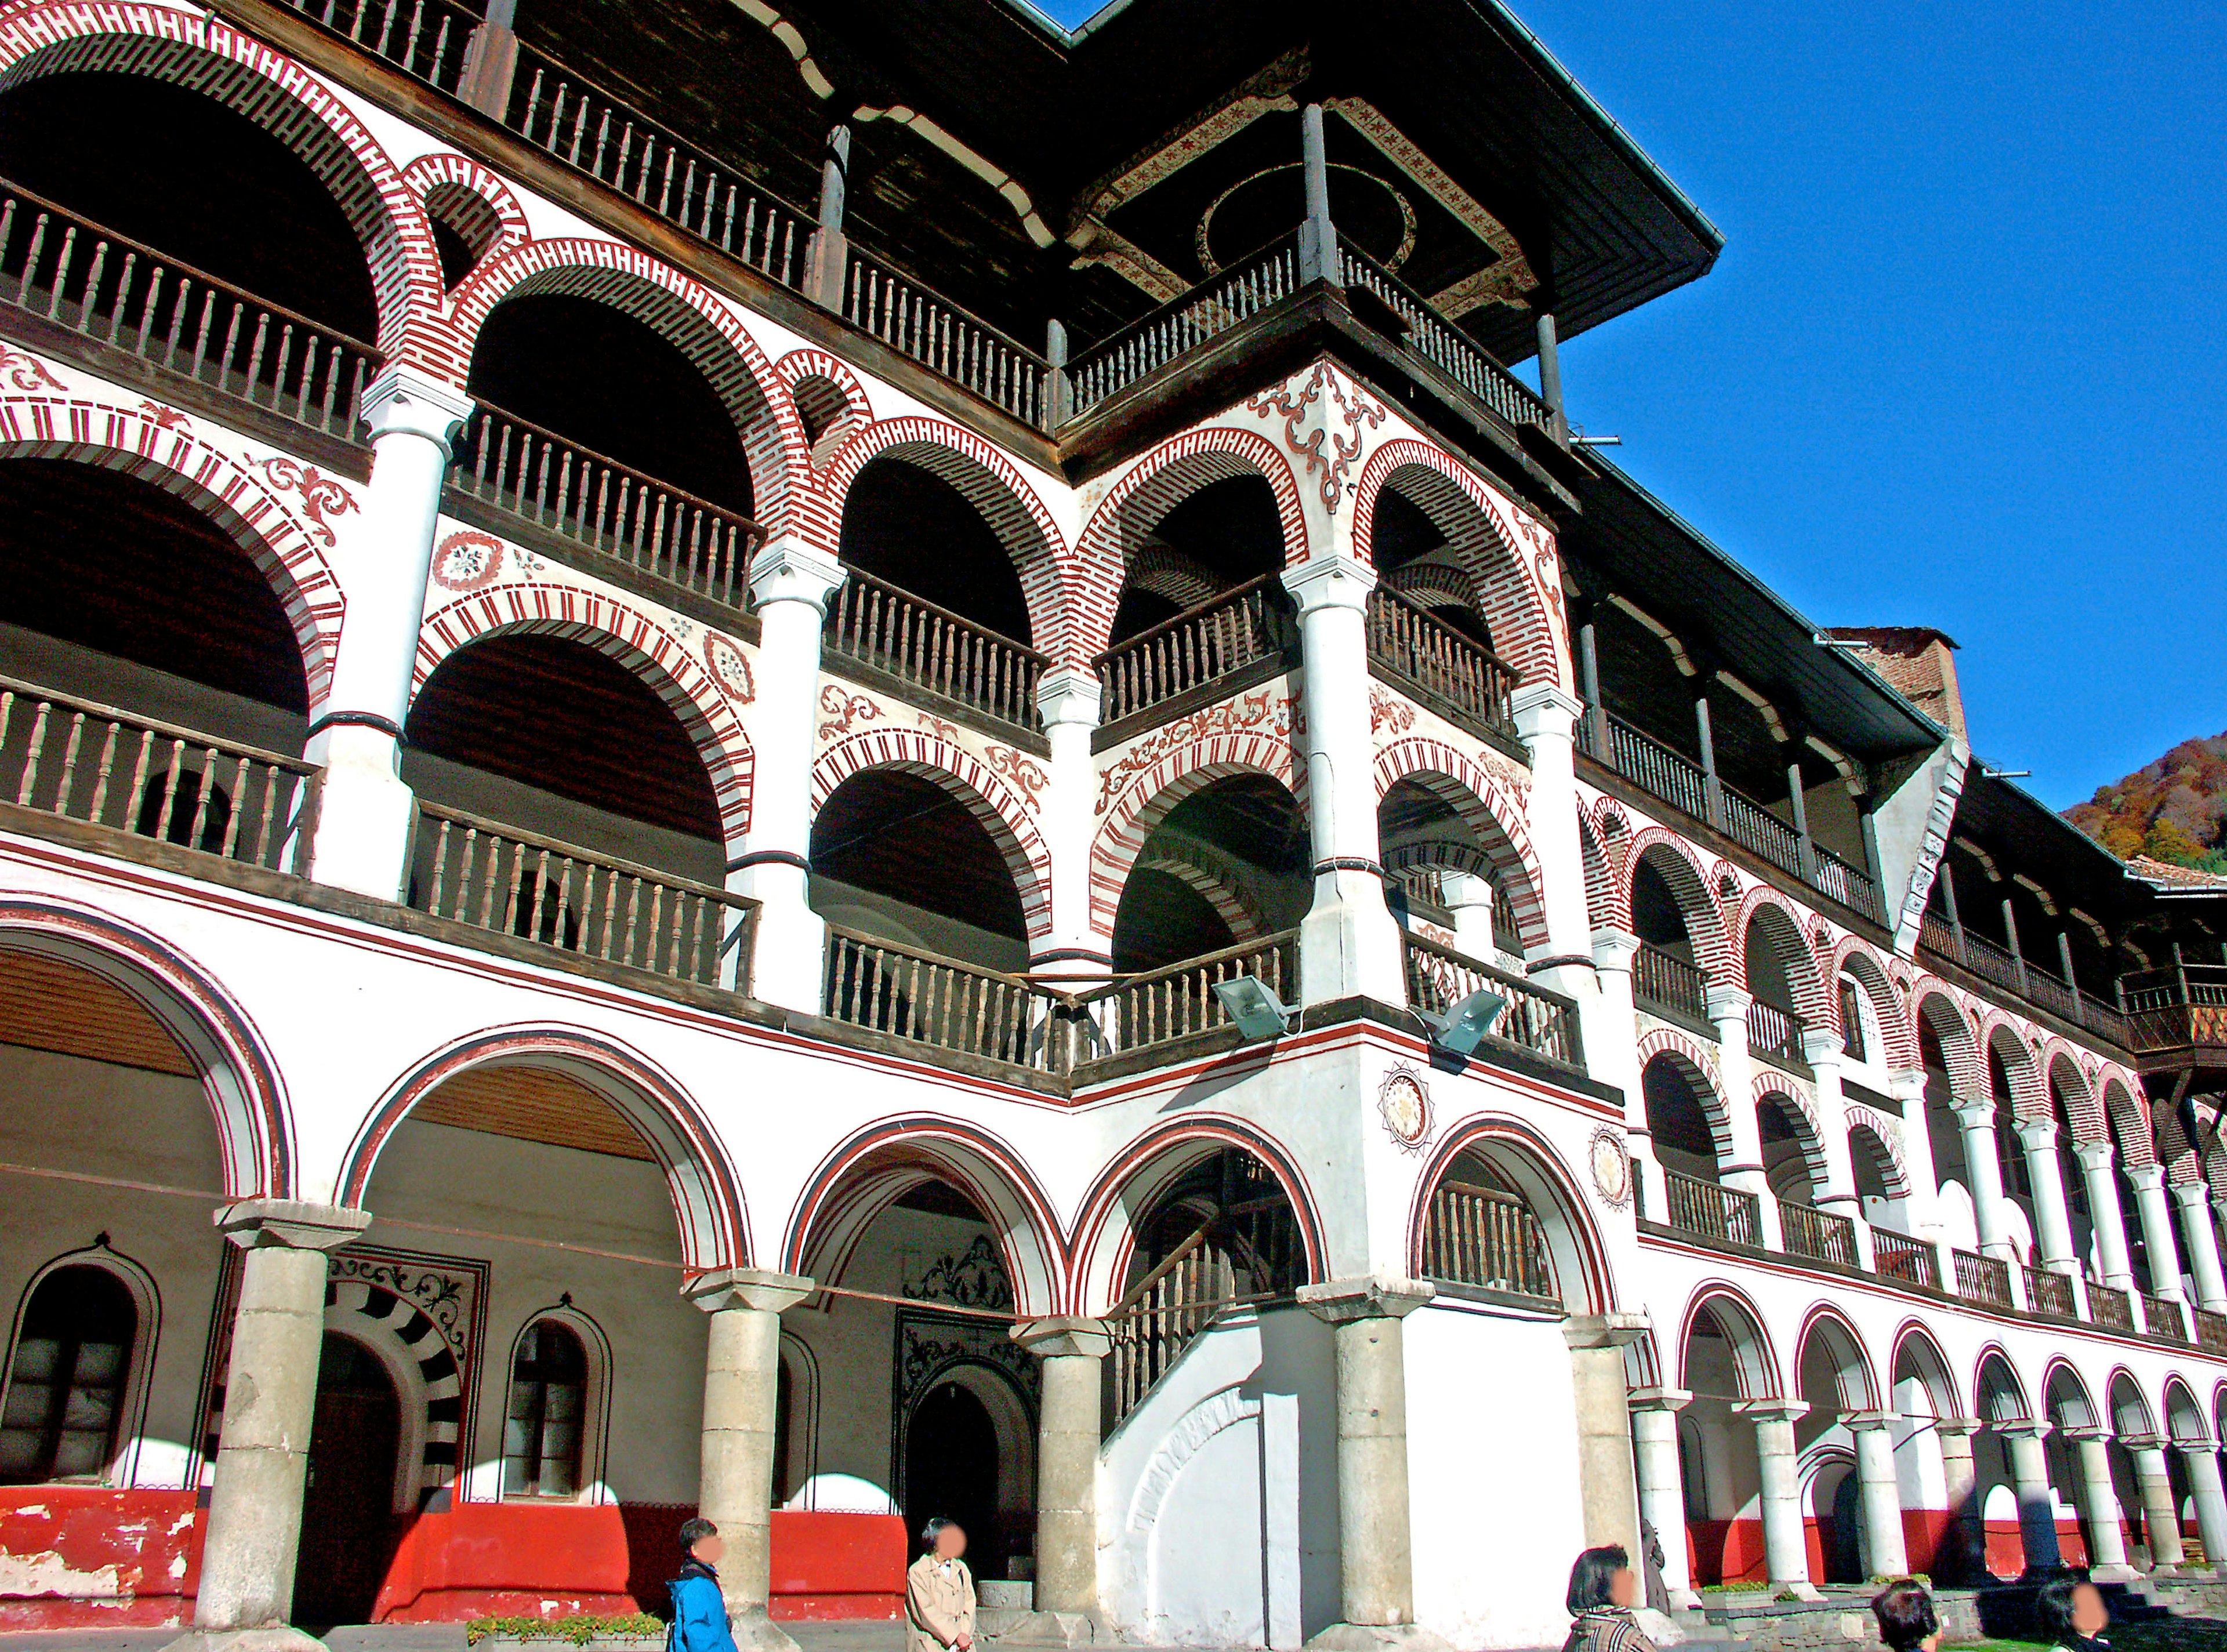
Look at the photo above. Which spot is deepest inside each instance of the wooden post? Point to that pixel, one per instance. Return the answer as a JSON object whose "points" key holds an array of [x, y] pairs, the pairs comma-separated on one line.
{"points": [[2065, 958], [1712, 788], [830, 265], [1948, 900], [1589, 680], [1550, 373], [2010, 934], [1055, 390], [1868, 826], [1805, 853], [491, 60], [1318, 259]]}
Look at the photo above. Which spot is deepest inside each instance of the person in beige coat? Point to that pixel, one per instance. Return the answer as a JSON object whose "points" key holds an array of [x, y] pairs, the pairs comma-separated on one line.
{"points": [[940, 1593]]}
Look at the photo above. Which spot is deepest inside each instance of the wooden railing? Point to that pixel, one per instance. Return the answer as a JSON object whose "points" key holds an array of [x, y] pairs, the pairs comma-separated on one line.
{"points": [[1437, 341], [606, 507], [2107, 1306], [912, 639], [1994, 964], [2180, 1008], [1236, 630], [1177, 1001], [1775, 1031], [1652, 767], [1245, 1256], [1712, 1210], [1983, 1278], [915, 320], [68, 271], [1662, 980], [1898, 1256], [1487, 1237], [1426, 881], [2210, 1330], [593, 906], [1152, 340], [1544, 1022], [928, 998], [1758, 831], [2048, 1292], [1854, 890], [1410, 641], [1819, 1234], [2162, 1317], [423, 38], [79, 760]]}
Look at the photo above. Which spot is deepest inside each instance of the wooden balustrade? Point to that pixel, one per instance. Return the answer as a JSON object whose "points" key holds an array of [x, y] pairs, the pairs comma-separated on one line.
{"points": [[1657, 769], [66, 270], [423, 38], [1243, 1257], [1149, 344], [1215, 639], [1999, 968], [916, 321], [1444, 346], [2162, 1317], [606, 507], [878, 623], [2210, 1330], [1852, 888], [1422, 651], [1174, 1002], [592, 906], [1821, 1235], [1487, 1237], [2048, 1292], [1760, 832], [1712, 1210], [2180, 1008], [1898, 1256], [1774, 1032], [78, 760], [1983, 1278], [1661, 980], [2109, 1307], [1544, 1022], [922, 996]]}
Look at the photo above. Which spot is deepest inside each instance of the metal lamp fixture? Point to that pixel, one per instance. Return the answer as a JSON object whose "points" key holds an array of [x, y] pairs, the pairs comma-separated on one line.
{"points": [[1258, 1012], [1465, 1021]]}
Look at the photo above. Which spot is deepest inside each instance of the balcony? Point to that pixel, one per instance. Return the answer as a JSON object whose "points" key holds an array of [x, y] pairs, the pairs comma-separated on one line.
{"points": [[2049, 1293], [1900, 1257], [1208, 653], [2110, 1308], [1534, 1020], [918, 647], [1818, 1235], [2176, 1018], [1668, 986], [1774, 1032], [2013, 974], [2162, 1315], [1434, 665], [1982, 1279], [1710, 1210], [1486, 1239]]}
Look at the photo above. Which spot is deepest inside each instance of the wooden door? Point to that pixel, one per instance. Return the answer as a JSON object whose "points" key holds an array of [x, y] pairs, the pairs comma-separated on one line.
{"points": [[349, 1525]]}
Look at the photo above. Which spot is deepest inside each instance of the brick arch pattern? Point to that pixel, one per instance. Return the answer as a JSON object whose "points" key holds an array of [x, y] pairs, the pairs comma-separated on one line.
{"points": [[1700, 1065], [999, 809], [191, 49], [1488, 806], [1896, 1172], [434, 177], [2007, 1037], [1148, 490], [990, 482], [1214, 878], [1690, 886], [1860, 960], [1931, 1000], [2126, 1110], [2061, 1062], [824, 387], [2174, 1150], [628, 635], [1511, 562], [286, 542], [1604, 840], [1811, 1136], [1812, 1001]]}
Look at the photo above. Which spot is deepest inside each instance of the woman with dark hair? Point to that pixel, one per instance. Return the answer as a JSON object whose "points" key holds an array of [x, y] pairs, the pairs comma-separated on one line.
{"points": [[2071, 1614], [1907, 1622], [1602, 1594]]}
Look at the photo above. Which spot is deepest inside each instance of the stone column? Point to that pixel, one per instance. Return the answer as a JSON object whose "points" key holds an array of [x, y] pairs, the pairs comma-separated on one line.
{"points": [[2201, 1458], [1885, 1552], [2161, 1513], [2052, 1221], [269, 1402], [1546, 719], [2203, 1244], [2099, 1502], [1785, 1547], [1348, 940], [1076, 955], [1824, 1051], [1068, 1429], [1606, 1485], [1663, 1484], [2037, 1502], [741, 1388], [1376, 1587], [1469, 897], [790, 585], [2156, 1208], [1743, 1167], [1963, 1557], [2108, 1219], [1977, 1120], [365, 815], [1612, 1038]]}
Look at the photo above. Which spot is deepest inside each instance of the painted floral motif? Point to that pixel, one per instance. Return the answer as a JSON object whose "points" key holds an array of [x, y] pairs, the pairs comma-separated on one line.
{"points": [[942, 728], [25, 371], [730, 668], [165, 418], [844, 711], [320, 493], [1386, 712], [1027, 778], [467, 561], [1254, 714], [1403, 1101], [1350, 405]]}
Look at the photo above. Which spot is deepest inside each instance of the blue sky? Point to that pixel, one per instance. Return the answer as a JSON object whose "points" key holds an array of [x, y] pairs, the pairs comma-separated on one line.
{"points": [[1961, 361]]}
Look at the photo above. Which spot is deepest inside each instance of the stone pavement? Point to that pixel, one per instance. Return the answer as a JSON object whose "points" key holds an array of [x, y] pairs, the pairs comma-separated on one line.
{"points": [[885, 1637]]}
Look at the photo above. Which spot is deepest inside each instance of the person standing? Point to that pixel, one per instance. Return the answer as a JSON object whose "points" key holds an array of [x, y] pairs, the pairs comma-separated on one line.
{"points": [[2071, 1614], [1602, 1593], [1907, 1622], [699, 1613], [939, 1593]]}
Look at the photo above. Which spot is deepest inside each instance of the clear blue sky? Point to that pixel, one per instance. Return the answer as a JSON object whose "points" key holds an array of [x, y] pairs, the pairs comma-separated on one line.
{"points": [[1961, 361]]}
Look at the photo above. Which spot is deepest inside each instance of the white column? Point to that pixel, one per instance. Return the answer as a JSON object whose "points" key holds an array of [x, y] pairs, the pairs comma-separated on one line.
{"points": [[365, 815], [1977, 1120], [2160, 1515], [1906, 1085], [1610, 1025], [1785, 1547], [1068, 1432], [1662, 1485], [1886, 1553], [1825, 1053], [790, 584], [1606, 1491], [1348, 940], [1469, 897], [2203, 1245], [2156, 1208], [2108, 1219], [2052, 1221], [1547, 718], [1964, 1553], [2037, 1503], [1743, 1167], [1077, 953], [2201, 1458], [2099, 1502]]}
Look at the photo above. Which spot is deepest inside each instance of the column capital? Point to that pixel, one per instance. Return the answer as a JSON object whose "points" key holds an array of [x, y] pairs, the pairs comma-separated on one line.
{"points": [[1958, 1427], [747, 1287], [2093, 1434], [1065, 1335], [1374, 1296], [2146, 1442], [1614, 949], [1534, 704], [1604, 1331], [2145, 1178], [1331, 582], [1659, 1398], [1068, 695], [2033, 1428], [787, 569], [411, 404], [2094, 1155], [1906, 1085], [2192, 1196], [1722, 1001], [257, 1224], [1858, 1421], [1822, 1048], [1771, 1410], [1974, 1115], [2200, 1446], [2037, 1135]]}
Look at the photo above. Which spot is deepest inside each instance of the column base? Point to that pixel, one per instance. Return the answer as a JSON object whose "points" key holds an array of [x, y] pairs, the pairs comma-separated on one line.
{"points": [[280, 1637], [1804, 1590], [754, 1630], [1047, 1628], [2114, 1572], [1376, 1637]]}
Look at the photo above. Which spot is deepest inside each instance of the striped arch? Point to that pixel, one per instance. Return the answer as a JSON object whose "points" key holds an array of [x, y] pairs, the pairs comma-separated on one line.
{"points": [[191, 49], [2126, 1110], [1148, 490], [1002, 811], [2060, 1061], [1698, 1065], [1894, 1167], [1810, 1136], [1932, 1003], [1918, 1350], [864, 1176], [1007, 501], [2183, 1417], [1855, 958], [1856, 1381], [1487, 807], [1608, 897], [1521, 600], [619, 631], [1527, 1159], [428, 1380], [1998, 1394], [1755, 1365], [829, 398], [2002, 1037], [157, 444], [1217, 879], [2174, 1150], [448, 183], [1781, 924], [1689, 881], [689, 316], [707, 1194]]}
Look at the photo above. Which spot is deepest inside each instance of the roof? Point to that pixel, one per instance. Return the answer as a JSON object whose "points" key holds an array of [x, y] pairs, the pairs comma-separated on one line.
{"points": [[2165, 875]]}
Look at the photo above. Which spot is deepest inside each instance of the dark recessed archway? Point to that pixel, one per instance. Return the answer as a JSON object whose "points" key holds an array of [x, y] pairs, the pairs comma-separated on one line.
{"points": [[1235, 849], [906, 839], [914, 530]]}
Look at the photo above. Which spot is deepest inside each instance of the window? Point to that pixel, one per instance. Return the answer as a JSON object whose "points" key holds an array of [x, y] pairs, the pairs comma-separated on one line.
{"points": [[1852, 1020], [542, 1431], [66, 1376]]}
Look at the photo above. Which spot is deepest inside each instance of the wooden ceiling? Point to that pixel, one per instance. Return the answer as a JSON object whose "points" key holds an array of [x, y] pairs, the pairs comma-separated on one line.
{"points": [[532, 1104], [47, 1005], [900, 835]]}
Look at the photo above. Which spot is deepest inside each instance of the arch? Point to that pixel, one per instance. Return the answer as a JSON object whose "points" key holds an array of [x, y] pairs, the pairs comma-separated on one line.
{"points": [[2002, 1037], [451, 182], [247, 1093], [2067, 1397], [423, 1368], [1490, 807], [869, 1171], [2130, 1408], [1575, 1240], [684, 679], [594, 1402], [127, 1429], [1855, 958], [1931, 1005], [243, 74], [1606, 906], [1143, 1168], [157, 444], [1754, 1364], [1154, 485], [707, 1195], [2184, 1416], [2066, 1078], [1998, 1396], [1764, 909], [1681, 868], [1916, 1348], [1809, 1133], [831, 401], [1521, 599], [1835, 1336], [1697, 1064], [2126, 1110], [1885, 1146]]}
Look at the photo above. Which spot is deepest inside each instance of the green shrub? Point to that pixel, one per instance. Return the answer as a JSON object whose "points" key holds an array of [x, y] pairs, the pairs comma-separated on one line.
{"points": [[579, 1630]]}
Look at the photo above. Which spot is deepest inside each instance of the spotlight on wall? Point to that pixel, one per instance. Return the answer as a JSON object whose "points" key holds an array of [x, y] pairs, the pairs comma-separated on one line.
{"points": [[1465, 1021], [1258, 1012]]}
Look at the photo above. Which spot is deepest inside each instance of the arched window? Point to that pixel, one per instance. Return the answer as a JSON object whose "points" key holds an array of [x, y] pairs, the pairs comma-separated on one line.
{"points": [[545, 1428], [66, 1377]]}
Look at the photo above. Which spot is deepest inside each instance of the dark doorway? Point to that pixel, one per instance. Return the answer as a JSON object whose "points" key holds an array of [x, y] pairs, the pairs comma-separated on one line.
{"points": [[1843, 1542], [347, 1514], [951, 1469]]}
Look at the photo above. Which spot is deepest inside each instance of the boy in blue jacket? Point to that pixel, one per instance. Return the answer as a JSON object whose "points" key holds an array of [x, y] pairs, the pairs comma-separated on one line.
{"points": [[699, 1613]]}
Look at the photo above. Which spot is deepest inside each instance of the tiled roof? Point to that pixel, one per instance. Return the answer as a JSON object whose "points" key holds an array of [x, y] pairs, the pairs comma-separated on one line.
{"points": [[2162, 872]]}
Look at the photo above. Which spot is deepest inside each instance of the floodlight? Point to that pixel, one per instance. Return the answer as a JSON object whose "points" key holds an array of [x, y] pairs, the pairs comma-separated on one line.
{"points": [[1258, 1012], [1466, 1022]]}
